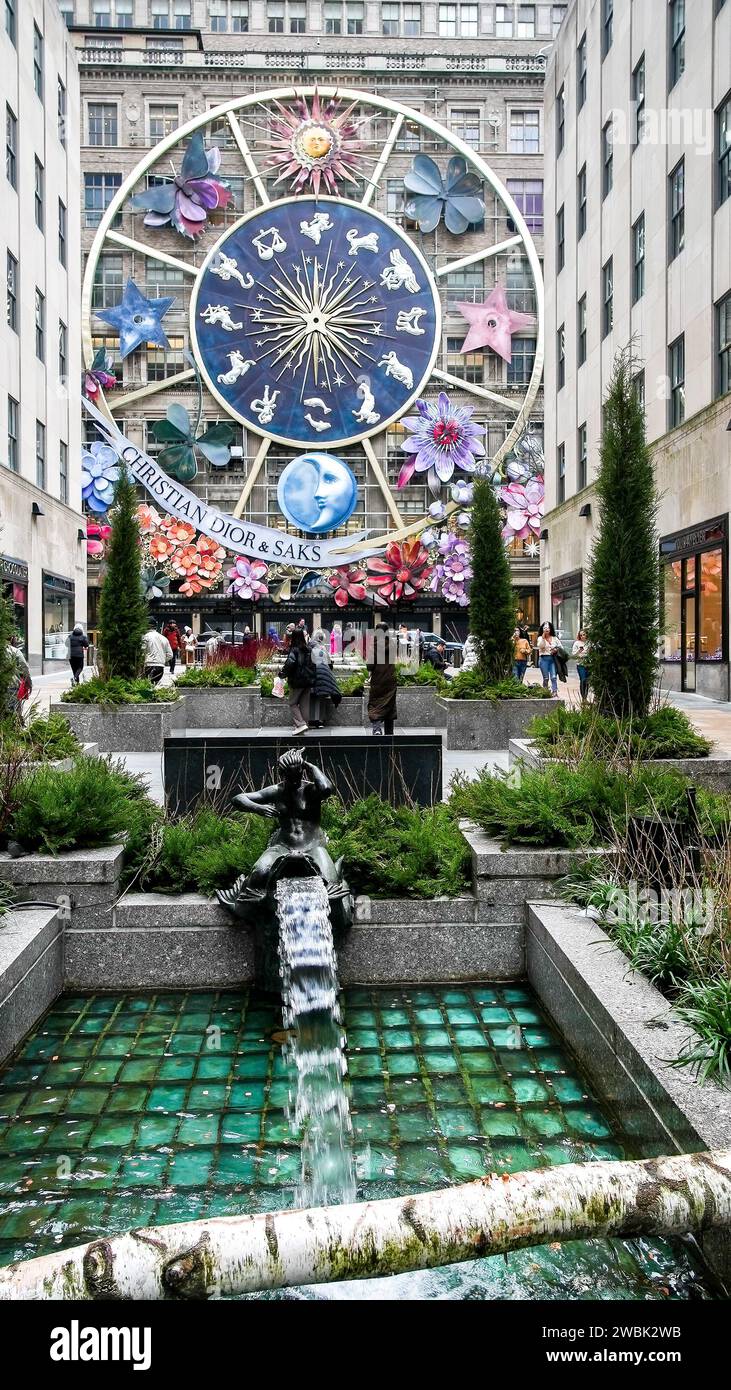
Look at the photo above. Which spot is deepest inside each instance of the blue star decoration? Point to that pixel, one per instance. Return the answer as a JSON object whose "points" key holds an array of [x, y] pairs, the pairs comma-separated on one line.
{"points": [[137, 320]]}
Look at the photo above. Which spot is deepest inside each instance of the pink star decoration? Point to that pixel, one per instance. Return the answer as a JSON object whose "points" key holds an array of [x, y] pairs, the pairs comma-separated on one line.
{"points": [[492, 324]]}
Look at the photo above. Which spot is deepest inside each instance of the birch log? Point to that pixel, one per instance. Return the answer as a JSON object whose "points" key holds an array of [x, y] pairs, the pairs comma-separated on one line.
{"points": [[225, 1256]]}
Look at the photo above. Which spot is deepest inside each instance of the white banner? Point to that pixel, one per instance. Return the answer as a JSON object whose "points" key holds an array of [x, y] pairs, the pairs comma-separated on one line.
{"points": [[241, 537]]}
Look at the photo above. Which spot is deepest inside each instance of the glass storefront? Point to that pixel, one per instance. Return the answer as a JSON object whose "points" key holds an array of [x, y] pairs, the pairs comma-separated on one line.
{"points": [[58, 616], [694, 574], [566, 606], [14, 578]]}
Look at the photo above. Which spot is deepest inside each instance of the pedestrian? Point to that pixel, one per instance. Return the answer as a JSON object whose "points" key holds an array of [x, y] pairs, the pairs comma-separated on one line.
{"points": [[521, 655], [189, 646], [77, 646], [580, 650], [547, 645], [20, 686], [299, 673], [382, 697], [436, 654], [157, 653], [172, 632], [326, 692]]}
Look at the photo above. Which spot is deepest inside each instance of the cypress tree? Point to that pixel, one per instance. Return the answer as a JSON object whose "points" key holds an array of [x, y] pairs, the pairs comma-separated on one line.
{"points": [[623, 623], [123, 617], [492, 607]]}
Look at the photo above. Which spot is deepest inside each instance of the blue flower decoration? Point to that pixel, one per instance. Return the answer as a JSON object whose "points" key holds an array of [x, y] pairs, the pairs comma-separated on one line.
{"points": [[137, 319], [100, 468], [457, 195]]}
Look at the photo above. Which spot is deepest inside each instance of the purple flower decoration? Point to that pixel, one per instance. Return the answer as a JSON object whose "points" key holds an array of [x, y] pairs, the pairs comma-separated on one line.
{"points": [[437, 511], [185, 201], [99, 476], [525, 507], [246, 577], [453, 571], [443, 437]]}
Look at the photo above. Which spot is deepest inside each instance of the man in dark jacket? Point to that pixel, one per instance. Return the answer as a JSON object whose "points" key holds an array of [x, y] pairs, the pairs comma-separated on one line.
{"points": [[382, 698], [78, 644], [436, 653]]}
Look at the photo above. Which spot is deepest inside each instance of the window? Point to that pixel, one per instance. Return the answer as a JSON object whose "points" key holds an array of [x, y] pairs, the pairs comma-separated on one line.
{"points": [[581, 74], [607, 297], [458, 19], [108, 281], [394, 198], [582, 458], [638, 259], [503, 21], [165, 362], [561, 357], [297, 17], [467, 125], [581, 203], [560, 121], [561, 474], [102, 117], [40, 316], [677, 41], [40, 454], [527, 194], [638, 100], [581, 323], [412, 21], [607, 26], [524, 136], [676, 210], [557, 17], [467, 366], [39, 193], [11, 147], [354, 16], [519, 288], [676, 356], [520, 369], [526, 21], [101, 13], [467, 284], [390, 20], [275, 16], [10, 20], [61, 105], [11, 278], [99, 190], [333, 14], [125, 14], [62, 232], [560, 240], [163, 118], [13, 432], [638, 386], [63, 471], [723, 150], [38, 61], [723, 340], [607, 159], [63, 351]]}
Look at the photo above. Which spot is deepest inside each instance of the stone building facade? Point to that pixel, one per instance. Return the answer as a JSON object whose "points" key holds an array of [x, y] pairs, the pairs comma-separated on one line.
{"points": [[42, 536], [638, 247], [148, 66]]}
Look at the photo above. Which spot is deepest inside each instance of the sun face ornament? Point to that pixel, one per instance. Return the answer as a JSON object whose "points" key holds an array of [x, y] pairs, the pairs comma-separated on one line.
{"points": [[317, 146]]}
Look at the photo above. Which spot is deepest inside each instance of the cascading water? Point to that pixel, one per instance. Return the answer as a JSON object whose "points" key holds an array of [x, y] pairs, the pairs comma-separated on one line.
{"points": [[311, 1015]]}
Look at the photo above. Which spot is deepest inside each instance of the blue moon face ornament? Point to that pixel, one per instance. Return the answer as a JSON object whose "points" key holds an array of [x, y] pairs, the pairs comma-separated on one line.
{"points": [[315, 322], [317, 492]]}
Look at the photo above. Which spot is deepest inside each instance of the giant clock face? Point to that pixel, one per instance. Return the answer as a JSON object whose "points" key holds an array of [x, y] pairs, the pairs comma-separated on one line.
{"points": [[315, 322]]}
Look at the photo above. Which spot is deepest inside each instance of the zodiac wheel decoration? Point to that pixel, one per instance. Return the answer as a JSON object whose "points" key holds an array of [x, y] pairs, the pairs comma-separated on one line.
{"points": [[315, 322]]}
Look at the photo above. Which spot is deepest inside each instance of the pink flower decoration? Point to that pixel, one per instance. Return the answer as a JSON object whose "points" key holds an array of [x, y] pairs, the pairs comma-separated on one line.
{"points": [[525, 505], [246, 579], [347, 583], [402, 572]]}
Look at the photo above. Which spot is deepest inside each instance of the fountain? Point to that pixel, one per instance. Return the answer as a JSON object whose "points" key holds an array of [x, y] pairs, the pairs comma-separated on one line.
{"points": [[296, 898]]}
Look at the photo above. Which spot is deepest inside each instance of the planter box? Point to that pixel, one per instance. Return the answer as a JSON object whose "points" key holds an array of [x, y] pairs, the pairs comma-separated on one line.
{"points": [[505, 879], [626, 1034], [713, 772], [417, 707], [225, 707], [484, 724], [276, 714], [82, 884], [89, 750], [31, 977], [125, 728]]}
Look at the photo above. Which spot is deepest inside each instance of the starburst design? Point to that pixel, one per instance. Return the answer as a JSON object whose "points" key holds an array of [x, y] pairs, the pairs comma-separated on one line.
{"points": [[315, 324], [316, 145]]}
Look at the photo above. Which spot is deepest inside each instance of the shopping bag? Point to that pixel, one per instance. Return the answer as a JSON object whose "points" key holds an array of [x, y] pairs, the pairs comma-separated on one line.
{"points": [[278, 688]]}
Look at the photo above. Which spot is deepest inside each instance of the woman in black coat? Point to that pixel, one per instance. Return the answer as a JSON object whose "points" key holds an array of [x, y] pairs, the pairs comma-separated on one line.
{"points": [[325, 689], [78, 643], [299, 673], [382, 698]]}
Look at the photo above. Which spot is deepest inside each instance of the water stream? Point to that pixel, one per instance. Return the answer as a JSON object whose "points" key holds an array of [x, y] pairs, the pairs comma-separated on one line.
{"points": [[311, 1014]]}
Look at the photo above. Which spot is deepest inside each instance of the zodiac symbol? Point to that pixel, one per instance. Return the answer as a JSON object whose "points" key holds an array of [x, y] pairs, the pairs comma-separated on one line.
{"points": [[265, 407], [239, 367], [399, 273], [366, 414], [407, 320], [397, 369], [219, 313], [318, 425], [227, 269], [266, 251], [319, 402], [320, 223], [367, 242]]}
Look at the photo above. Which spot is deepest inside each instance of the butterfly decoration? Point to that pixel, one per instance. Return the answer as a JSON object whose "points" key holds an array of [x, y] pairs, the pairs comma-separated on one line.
{"points": [[181, 440], [456, 196], [99, 376], [185, 201]]}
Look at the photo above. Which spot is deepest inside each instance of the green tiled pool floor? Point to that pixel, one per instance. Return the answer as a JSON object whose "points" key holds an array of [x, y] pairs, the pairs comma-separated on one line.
{"points": [[123, 1111]]}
